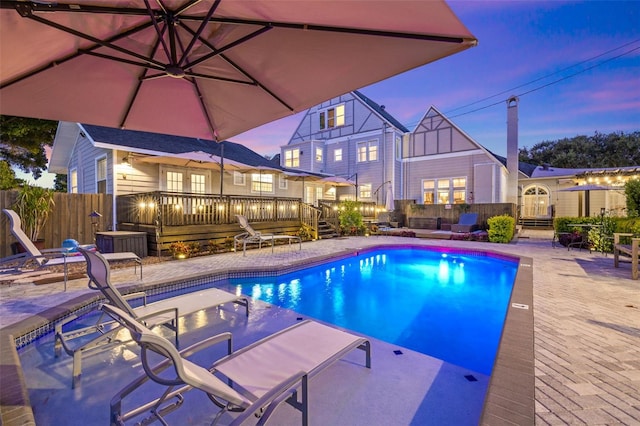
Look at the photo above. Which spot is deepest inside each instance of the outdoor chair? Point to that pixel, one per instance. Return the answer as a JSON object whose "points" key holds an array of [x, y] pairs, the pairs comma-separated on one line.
{"points": [[254, 380], [251, 236], [630, 251], [468, 222], [164, 312], [52, 257]]}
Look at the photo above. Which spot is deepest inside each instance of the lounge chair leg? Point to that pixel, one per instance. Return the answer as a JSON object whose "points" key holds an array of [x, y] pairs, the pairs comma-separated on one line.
{"points": [[77, 368]]}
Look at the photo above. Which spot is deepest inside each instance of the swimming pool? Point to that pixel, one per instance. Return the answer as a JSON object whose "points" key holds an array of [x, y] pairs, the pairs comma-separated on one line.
{"points": [[451, 306]]}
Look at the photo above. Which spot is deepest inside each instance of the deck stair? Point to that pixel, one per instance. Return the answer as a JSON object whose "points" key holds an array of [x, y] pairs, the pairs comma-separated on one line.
{"points": [[325, 230], [536, 222]]}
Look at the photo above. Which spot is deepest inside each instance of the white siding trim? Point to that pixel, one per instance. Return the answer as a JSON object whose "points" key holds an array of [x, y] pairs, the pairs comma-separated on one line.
{"points": [[442, 156]]}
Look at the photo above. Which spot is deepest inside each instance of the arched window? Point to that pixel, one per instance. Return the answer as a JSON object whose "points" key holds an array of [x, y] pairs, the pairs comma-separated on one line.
{"points": [[536, 201]]}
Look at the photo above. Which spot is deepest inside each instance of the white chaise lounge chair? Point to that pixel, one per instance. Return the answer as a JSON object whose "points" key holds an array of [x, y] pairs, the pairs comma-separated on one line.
{"points": [[53, 257], [251, 236], [253, 380], [164, 312]]}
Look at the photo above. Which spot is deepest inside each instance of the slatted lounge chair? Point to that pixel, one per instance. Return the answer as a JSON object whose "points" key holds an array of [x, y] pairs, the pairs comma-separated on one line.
{"points": [[253, 380], [631, 251], [468, 222], [164, 312], [251, 236], [53, 257]]}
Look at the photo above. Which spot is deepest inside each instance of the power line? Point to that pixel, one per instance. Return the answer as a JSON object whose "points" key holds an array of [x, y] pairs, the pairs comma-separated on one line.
{"points": [[548, 84], [546, 76]]}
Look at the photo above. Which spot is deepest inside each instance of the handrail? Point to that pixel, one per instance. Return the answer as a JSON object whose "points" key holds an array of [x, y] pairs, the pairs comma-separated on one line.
{"points": [[310, 217]]}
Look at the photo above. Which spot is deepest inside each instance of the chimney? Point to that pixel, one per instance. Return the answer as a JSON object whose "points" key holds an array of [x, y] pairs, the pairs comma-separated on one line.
{"points": [[512, 150]]}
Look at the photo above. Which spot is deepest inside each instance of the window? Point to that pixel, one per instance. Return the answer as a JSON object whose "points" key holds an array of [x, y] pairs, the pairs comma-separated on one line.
{"points": [[332, 117], [239, 179], [283, 182], [367, 151], [197, 184], [427, 191], [318, 155], [262, 182], [337, 154], [459, 190], [444, 191], [292, 158], [73, 181], [364, 190], [101, 175], [174, 182]]}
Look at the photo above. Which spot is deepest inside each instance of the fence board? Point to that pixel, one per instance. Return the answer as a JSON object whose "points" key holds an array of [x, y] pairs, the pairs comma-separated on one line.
{"points": [[69, 219]]}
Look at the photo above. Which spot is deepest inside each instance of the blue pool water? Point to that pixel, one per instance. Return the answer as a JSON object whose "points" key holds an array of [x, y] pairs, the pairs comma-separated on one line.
{"points": [[450, 306]]}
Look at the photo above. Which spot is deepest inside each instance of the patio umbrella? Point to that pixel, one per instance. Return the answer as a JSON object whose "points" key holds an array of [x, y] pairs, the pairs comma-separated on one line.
{"points": [[587, 190], [389, 204], [209, 69], [302, 177]]}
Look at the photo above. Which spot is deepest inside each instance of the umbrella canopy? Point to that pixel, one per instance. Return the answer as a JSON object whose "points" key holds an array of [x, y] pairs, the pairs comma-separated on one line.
{"points": [[198, 159], [209, 69], [586, 188], [389, 204], [338, 181]]}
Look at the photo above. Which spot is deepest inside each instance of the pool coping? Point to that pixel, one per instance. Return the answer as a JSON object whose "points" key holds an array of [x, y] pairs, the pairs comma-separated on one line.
{"points": [[510, 394]]}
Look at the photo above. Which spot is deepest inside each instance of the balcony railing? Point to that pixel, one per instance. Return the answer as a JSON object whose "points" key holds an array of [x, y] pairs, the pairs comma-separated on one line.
{"points": [[160, 208]]}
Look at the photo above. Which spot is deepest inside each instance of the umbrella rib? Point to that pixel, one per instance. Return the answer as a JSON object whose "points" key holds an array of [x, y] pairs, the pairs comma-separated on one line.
{"points": [[134, 95], [75, 55], [243, 72], [199, 32], [170, 53], [217, 52], [97, 41]]}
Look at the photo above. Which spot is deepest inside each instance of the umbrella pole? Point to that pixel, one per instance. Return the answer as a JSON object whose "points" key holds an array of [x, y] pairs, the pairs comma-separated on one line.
{"points": [[221, 168]]}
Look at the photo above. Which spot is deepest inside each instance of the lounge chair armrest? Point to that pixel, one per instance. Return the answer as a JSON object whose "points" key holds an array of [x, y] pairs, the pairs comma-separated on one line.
{"points": [[271, 399], [210, 341], [136, 295]]}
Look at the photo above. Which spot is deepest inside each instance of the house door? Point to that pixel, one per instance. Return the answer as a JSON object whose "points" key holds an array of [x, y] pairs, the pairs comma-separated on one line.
{"points": [[536, 201]]}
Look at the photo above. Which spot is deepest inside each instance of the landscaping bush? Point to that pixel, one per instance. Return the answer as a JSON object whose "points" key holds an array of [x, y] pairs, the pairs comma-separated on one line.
{"points": [[501, 228], [350, 218]]}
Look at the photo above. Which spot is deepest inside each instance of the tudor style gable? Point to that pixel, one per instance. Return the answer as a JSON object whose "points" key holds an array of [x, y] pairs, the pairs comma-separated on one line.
{"points": [[434, 135]]}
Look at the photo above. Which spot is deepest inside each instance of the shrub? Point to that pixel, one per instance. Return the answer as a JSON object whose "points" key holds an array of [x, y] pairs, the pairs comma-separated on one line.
{"points": [[501, 228], [350, 217], [180, 249], [632, 192]]}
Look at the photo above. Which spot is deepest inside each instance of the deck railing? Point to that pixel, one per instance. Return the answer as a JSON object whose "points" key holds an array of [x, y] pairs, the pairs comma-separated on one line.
{"points": [[160, 208]]}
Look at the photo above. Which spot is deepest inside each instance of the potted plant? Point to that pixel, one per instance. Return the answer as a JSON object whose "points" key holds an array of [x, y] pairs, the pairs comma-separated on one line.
{"points": [[33, 205]]}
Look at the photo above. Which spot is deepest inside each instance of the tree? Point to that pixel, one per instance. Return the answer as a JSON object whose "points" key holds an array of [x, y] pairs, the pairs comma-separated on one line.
{"points": [[613, 150], [60, 183], [7, 176], [23, 141], [632, 192]]}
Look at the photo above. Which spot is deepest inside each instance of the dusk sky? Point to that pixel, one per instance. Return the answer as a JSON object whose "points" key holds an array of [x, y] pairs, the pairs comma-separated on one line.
{"points": [[518, 43]]}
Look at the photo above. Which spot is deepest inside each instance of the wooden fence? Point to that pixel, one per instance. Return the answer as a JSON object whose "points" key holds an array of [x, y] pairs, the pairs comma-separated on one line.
{"points": [[451, 214], [69, 219]]}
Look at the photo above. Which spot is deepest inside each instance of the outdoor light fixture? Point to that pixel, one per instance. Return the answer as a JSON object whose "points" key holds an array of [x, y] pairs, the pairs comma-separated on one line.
{"points": [[126, 162], [95, 218]]}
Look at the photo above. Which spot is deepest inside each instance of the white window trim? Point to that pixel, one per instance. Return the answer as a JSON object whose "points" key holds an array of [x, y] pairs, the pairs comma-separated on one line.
{"points": [[323, 124], [291, 150], [368, 145], [70, 183], [283, 182], [452, 188], [239, 179], [106, 177], [273, 189], [335, 151]]}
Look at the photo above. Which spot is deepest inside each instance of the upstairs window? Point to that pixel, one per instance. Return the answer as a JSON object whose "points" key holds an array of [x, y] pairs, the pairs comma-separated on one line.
{"points": [[364, 190], [318, 155], [332, 117], [292, 158], [337, 154], [367, 151]]}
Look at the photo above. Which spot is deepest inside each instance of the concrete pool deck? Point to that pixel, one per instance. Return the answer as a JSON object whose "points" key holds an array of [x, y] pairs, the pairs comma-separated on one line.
{"points": [[586, 320]]}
